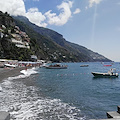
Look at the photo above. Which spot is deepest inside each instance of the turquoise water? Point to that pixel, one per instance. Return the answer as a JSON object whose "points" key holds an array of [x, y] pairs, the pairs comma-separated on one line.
{"points": [[61, 94], [77, 86]]}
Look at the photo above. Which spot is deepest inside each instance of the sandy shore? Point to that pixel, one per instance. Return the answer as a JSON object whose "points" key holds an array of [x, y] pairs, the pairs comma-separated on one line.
{"points": [[5, 73]]}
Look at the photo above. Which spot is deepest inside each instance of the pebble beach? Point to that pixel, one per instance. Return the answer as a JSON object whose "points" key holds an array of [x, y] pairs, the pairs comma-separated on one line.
{"points": [[11, 72]]}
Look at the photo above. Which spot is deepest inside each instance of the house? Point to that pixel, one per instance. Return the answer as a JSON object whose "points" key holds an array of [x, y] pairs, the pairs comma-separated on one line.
{"points": [[20, 44], [1, 35], [33, 58]]}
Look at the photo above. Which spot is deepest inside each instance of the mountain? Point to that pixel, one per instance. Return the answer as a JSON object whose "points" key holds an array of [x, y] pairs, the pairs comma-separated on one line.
{"points": [[19, 39], [73, 52], [10, 37]]}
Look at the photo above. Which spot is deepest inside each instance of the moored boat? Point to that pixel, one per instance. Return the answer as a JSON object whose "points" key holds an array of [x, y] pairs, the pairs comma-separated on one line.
{"points": [[10, 65], [107, 65], [110, 73], [84, 65], [57, 66]]}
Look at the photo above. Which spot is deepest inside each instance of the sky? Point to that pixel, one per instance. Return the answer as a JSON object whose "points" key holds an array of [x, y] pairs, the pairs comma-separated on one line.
{"points": [[94, 24]]}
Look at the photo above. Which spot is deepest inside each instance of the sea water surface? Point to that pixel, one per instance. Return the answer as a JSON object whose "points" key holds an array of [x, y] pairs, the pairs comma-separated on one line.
{"points": [[61, 94]]}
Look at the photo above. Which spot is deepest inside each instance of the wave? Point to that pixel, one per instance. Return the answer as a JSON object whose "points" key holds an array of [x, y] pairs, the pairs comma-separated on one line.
{"points": [[28, 72], [25, 73], [25, 102], [0, 89]]}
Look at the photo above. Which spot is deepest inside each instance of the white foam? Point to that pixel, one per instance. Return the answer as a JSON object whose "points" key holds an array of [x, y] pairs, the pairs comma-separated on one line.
{"points": [[24, 103], [25, 73], [28, 72], [1, 89]]}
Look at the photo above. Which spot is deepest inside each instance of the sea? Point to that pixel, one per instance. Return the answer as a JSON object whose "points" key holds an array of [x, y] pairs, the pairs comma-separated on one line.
{"points": [[61, 94]]}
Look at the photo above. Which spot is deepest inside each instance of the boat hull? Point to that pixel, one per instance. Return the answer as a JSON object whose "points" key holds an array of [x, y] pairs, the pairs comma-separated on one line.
{"points": [[107, 65], [56, 67], [84, 65], [104, 74], [9, 65]]}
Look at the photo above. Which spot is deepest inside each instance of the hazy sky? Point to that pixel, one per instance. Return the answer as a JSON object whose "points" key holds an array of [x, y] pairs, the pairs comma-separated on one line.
{"points": [[94, 24]]}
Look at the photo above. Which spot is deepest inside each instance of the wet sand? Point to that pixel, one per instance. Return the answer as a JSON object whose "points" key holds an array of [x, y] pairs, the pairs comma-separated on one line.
{"points": [[5, 73]]}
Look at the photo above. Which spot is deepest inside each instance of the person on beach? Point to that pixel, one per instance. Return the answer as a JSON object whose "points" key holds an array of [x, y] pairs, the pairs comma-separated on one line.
{"points": [[26, 67]]}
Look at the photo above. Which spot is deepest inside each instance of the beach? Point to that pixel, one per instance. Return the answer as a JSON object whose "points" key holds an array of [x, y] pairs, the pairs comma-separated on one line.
{"points": [[11, 72], [22, 97]]}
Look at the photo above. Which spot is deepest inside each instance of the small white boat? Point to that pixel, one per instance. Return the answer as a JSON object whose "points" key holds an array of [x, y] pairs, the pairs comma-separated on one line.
{"points": [[10, 65], [110, 73]]}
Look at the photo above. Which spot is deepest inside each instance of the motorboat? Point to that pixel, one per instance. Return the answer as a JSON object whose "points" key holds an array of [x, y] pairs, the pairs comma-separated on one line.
{"points": [[107, 65], [10, 65], [110, 73], [84, 65], [56, 66]]}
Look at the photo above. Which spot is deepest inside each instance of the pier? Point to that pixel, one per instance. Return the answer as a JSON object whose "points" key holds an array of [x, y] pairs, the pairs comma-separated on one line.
{"points": [[113, 115]]}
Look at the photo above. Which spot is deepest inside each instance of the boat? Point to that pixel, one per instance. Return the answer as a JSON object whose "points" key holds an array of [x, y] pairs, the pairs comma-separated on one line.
{"points": [[110, 73], [10, 65], [107, 65], [84, 65], [56, 66]]}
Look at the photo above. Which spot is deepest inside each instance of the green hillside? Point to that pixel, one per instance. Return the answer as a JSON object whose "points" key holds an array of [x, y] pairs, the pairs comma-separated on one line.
{"points": [[77, 52], [19, 39]]}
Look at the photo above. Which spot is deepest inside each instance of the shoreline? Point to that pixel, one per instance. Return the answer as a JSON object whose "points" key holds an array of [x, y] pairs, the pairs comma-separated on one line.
{"points": [[5, 73]]}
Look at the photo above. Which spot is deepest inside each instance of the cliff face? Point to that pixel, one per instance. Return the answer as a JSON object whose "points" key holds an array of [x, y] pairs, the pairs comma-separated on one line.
{"points": [[19, 39], [76, 53]]}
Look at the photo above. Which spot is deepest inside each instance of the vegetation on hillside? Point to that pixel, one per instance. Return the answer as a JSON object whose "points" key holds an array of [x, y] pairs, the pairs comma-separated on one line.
{"points": [[8, 50], [44, 43], [70, 51]]}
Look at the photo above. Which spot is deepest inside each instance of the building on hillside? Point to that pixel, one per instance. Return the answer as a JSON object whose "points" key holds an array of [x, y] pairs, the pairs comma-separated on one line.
{"points": [[17, 28], [1, 35], [17, 36], [3, 26], [20, 44], [33, 58]]}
